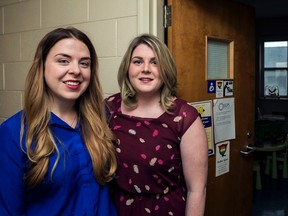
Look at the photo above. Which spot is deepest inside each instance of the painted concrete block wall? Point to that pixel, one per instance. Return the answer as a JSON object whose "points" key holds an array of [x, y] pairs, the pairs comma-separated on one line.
{"points": [[110, 24]]}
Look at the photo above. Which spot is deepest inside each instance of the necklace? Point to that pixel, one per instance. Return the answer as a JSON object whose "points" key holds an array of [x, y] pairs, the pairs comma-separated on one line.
{"points": [[73, 122]]}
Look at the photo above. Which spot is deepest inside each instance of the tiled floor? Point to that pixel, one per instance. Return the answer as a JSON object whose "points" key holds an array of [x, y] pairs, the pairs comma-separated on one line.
{"points": [[272, 200]]}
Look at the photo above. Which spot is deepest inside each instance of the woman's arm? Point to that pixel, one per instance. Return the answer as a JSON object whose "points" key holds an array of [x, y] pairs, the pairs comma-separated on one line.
{"points": [[11, 171], [194, 153]]}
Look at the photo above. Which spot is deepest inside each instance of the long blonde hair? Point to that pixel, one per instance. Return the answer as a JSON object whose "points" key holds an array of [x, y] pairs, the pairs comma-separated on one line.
{"points": [[167, 67], [96, 134]]}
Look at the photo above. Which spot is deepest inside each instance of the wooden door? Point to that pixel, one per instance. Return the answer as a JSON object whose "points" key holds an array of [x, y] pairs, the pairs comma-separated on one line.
{"points": [[192, 20]]}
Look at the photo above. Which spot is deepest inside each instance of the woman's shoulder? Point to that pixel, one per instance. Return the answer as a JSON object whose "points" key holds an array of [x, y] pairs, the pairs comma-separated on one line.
{"points": [[181, 104], [113, 101], [186, 114], [12, 123], [113, 97], [10, 134]]}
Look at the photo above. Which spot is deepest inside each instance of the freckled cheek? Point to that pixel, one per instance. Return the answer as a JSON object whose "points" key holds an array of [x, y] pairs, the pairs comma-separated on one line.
{"points": [[131, 76], [133, 71]]}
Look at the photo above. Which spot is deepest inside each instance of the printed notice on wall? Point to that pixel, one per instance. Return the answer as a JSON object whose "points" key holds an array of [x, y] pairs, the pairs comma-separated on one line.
{"points": [[204, 108], [219, 89], [224, 119], [222, 158]]}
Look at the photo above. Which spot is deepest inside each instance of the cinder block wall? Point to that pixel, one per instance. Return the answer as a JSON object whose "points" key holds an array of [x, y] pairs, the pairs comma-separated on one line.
{"points": [[110, 24]]}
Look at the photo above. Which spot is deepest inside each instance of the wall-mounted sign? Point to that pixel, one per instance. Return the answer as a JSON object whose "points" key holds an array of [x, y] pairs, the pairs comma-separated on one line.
{"points": [[211, 86], [228, 88], [222, 158], [204, 108], [219, 89], [224, 119]]}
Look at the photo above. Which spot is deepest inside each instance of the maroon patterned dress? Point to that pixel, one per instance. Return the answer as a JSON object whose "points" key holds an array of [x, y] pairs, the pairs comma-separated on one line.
{"points": [[149, 179]]}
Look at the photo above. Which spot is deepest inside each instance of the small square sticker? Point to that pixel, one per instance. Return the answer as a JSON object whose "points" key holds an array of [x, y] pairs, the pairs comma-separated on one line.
{"points": [[211, 86]]}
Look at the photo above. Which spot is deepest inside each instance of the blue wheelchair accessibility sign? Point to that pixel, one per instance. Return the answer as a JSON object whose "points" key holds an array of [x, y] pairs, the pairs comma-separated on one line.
{"points": [[211, 85]]}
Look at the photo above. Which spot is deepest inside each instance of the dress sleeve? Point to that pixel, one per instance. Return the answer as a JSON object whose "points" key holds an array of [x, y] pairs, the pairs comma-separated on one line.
{"points": [[188, 115], [112, 104], [12, 163]]}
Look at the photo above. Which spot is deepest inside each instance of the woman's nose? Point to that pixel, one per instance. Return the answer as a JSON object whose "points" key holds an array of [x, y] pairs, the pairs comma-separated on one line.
{"points": [[146, 67], [74, 68]]}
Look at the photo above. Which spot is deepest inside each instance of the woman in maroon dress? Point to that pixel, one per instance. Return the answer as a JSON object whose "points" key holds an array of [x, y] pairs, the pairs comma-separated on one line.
{"points": [[161, 142]]}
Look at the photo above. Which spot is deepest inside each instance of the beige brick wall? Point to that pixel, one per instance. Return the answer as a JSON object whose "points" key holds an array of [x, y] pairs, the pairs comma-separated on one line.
{"points": [[110, 24]]}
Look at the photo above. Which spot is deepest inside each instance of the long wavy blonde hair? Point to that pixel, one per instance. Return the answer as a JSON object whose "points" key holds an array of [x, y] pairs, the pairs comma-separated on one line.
{"points": [[39, 142], [167, 67]]}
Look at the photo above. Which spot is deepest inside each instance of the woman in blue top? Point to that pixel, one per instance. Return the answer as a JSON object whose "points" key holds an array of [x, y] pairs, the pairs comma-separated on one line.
{"points": [[57, 154]]}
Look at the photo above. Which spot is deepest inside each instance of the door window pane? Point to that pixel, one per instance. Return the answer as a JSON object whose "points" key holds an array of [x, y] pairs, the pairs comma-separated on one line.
{"points": [[217, 59]]}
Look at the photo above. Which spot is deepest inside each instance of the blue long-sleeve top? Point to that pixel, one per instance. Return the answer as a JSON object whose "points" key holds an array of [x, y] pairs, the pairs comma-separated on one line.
{"points": [[73, 189]]}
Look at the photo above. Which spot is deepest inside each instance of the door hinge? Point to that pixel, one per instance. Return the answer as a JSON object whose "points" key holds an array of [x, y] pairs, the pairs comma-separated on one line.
{"points": [[167, 16]]}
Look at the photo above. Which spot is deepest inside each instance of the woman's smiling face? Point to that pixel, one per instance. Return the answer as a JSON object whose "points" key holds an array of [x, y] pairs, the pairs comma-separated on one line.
{"points": [[67, 70], [144, 73]]}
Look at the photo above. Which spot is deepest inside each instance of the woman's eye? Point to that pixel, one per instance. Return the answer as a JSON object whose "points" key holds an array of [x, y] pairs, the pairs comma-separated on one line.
{"points": [[154, 62], [85, 64], [63, 61], [137, 61]]}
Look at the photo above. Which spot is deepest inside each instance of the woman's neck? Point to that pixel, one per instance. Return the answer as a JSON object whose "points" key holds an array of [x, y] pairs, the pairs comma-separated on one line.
{"points": [[147, 107], [67, 112]]}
